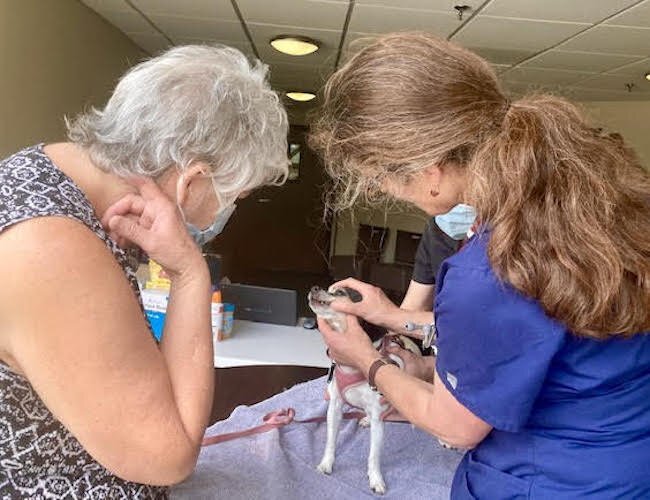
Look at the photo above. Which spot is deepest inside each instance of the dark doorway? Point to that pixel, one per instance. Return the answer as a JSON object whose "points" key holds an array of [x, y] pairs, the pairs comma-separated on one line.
{"points": [[277, 236]]}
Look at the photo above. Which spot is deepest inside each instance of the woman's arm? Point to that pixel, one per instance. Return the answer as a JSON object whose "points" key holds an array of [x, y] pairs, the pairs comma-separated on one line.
{"points": [[419, 297], [72, 325], [188, 356], [151, 221], [429, 406]]}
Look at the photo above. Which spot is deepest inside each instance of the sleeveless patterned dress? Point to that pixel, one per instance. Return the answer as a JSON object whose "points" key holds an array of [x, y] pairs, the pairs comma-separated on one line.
{"points": [[39, 457]]}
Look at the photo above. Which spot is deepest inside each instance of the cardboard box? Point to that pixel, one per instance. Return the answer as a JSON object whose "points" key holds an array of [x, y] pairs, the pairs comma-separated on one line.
{"points": [[155, 308]]}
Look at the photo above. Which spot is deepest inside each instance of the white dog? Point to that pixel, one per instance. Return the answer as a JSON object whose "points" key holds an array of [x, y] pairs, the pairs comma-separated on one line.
{"points": [[350, 386]]}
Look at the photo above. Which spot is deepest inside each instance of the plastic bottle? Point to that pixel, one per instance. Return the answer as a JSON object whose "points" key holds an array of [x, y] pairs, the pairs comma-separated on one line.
{"points": [[217, 316], [228, 319]]}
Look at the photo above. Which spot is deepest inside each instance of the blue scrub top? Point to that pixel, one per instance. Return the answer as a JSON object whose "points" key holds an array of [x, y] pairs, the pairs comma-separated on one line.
{"points": [[571, 416]]}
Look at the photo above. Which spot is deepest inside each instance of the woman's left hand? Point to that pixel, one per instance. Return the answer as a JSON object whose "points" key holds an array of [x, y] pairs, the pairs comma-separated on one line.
{"points": [[352, 347]]}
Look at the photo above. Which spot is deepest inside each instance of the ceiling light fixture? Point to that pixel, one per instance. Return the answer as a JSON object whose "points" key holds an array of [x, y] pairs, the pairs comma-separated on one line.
{"points": [[301, 96], [647, 76], [294, 45]]}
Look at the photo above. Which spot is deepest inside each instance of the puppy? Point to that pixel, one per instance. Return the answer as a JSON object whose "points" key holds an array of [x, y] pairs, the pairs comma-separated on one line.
{"points": [[350, 386]]}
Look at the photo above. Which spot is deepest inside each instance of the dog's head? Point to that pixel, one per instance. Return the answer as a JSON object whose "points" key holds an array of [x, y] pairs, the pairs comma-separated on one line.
{"points": [[320, 301]]}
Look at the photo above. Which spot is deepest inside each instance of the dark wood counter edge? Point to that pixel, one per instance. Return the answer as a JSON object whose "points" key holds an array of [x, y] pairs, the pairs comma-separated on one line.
{"points": [[247, 385]]}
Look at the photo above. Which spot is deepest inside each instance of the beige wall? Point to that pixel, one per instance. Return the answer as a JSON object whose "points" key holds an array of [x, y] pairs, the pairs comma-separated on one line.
{"points": [[56, 57], [630, 119]]}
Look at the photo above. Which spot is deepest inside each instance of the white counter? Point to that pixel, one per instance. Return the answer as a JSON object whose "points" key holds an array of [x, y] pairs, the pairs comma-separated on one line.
{"points": [[254, 343]]}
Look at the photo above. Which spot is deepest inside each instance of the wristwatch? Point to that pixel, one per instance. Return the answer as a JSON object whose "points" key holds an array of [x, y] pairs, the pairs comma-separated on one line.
{"points": [[376, 365]]}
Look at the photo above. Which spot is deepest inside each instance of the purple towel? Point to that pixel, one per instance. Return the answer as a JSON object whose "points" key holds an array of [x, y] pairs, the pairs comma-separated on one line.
{"points": [[281, 463]]}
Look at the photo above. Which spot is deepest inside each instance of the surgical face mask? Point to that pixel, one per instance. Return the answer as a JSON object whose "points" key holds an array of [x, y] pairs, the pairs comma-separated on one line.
{"points": [[202, 236], [457, 222]]}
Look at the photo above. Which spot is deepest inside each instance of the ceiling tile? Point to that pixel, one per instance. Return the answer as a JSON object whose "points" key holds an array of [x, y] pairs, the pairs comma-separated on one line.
{"points": [[305, 72], [638, 15], [576, 94], [518, 89], [201, 9], [244, 47], [300, 81], [637, 68], [438, 5], [295, 13], [544, 76], [502, 56], [582, 94], [589, 11], [504, 33], [128, 22], [611, 40], [500, 68], [113, 5], [152, 43], [579, 61], [375, 19], [207, 29], [616, 82], [354, 42]]}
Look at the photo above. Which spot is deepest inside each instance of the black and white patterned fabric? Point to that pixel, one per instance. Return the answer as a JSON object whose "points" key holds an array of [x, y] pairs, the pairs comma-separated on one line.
{"points": [[39, 457]]}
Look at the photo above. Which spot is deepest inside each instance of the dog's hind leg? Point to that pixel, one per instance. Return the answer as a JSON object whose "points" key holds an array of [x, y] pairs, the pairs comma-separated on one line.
{"points": [[375, 478], [334, 416]]}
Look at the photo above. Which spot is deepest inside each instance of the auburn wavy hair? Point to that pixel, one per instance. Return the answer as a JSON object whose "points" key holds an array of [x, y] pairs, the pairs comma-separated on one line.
{"points": [[568, 206]]}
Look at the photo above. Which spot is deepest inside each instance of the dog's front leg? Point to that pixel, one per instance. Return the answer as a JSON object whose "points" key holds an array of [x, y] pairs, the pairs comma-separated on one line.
{"points": [[334, 416], [375, 478]]}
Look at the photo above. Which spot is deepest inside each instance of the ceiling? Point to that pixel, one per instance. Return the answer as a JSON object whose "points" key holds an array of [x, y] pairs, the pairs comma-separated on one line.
{"points": [[588, 50]]}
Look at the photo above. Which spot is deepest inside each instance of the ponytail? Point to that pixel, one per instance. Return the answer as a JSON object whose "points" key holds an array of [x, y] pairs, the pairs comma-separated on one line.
{"points": [[570, 216]]}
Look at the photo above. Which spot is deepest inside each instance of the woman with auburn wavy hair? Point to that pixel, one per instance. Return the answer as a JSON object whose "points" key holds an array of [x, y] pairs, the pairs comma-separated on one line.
{"points": [[543, 365]]}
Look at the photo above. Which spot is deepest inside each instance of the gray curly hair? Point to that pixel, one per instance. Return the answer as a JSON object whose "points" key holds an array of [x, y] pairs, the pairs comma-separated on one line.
{"points": [[192, 103]]}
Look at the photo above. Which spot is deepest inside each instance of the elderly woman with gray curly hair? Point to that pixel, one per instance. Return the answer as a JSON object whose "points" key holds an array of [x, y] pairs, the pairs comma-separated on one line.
{"points": [[92, 404]]}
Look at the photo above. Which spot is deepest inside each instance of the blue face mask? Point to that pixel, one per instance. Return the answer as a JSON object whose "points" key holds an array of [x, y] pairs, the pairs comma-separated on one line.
{"points": [[202, 236], [457, 222]]}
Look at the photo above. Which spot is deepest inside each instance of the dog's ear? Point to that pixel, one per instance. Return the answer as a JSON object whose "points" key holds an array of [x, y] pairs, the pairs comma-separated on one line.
{"points": [[353, 295]]}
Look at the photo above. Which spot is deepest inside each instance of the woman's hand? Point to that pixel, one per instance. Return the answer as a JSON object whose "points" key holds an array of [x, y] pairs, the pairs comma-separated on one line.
{"points": [[352, 347], [375, 307], [152, 221]]}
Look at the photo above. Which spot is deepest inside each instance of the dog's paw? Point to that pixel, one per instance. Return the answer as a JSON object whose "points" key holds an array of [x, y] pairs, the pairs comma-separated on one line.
{"points": [[364, 422], [377, 484], [325, 466]]}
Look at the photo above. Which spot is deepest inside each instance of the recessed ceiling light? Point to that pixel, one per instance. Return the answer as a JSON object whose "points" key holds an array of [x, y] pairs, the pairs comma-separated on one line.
{"points": [[647, 76], [300, 96], [294, 45]]}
